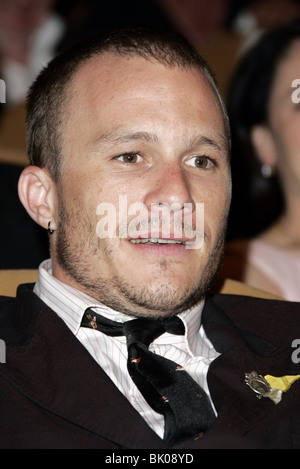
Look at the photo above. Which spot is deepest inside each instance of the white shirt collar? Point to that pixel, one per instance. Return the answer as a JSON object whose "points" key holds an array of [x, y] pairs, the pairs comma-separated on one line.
{"points": [[70, 304]]}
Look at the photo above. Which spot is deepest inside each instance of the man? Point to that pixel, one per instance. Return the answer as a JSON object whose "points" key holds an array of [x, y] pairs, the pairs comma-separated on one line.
{"points": [[129, 142]]}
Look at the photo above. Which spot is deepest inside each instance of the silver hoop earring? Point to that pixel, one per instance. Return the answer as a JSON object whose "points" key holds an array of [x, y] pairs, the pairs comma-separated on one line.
{"points": [[49, 229]]}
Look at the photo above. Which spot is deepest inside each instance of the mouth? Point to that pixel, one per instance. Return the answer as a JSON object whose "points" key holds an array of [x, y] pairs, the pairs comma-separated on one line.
{"points": [[154, 241], [159, 246]]}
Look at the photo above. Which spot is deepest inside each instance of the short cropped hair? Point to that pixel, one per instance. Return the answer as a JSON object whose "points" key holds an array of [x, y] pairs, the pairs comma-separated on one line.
{"points": [[48, 93]]}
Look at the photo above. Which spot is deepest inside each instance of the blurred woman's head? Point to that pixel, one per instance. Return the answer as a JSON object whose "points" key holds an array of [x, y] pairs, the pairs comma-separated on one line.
{"points": [[265, 121]]}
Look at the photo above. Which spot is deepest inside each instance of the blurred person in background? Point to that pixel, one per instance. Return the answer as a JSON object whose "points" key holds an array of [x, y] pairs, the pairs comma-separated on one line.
{"points": [[251, 18], [264, 223], [29, 33]]}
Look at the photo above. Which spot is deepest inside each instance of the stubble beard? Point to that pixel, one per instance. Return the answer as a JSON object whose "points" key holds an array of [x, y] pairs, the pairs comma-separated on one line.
{"points": [[115, 292]]}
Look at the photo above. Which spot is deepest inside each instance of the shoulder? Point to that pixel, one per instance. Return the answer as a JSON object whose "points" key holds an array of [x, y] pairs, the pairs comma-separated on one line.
{"points": [[18, 314], [8, 313], [272, 318], [233, 303]]}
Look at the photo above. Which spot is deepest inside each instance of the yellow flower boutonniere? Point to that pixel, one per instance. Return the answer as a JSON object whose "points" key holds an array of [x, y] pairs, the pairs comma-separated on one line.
{"points": [[270, 386]]}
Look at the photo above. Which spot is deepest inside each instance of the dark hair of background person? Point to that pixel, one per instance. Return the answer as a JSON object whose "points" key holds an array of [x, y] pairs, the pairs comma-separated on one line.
{"points": [[256, 201]]}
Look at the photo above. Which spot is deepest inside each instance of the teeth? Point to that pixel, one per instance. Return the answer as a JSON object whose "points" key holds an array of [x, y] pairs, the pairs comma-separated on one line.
{"points": [[155, 241]]}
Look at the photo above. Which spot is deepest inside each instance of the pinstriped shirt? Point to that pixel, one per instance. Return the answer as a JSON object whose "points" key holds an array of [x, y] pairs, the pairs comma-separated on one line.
{"points": [[193, 351]]}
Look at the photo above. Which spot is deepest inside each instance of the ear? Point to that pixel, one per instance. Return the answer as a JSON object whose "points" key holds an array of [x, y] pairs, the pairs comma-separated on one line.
{"points": [[37, 192], [264, 145]]}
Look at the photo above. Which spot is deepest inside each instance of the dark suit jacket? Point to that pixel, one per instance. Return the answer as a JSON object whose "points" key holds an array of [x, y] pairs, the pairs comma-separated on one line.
{"points": [[54, 395]]}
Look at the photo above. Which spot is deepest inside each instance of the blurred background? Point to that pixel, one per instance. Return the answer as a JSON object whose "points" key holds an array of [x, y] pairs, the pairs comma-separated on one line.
{"points": [[33, 31]]}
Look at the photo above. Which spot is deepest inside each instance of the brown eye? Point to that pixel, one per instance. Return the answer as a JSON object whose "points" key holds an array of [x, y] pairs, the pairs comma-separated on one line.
{"points": [[201, 162], [129, 158]]}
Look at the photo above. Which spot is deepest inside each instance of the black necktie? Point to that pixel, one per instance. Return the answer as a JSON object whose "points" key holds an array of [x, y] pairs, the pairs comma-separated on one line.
{"points": [[165, 385]]}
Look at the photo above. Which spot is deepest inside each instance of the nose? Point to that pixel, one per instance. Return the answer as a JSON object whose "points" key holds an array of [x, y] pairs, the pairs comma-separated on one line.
{"points": [[169, 187]]}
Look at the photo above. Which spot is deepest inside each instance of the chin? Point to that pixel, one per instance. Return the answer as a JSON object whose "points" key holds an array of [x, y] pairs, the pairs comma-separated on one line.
{"points": [[161, 301]]}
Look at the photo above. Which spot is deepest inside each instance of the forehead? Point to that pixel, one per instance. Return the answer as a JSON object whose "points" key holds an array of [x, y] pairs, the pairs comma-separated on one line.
{"points": [[110, 89], [113, 74], [289, 67]]}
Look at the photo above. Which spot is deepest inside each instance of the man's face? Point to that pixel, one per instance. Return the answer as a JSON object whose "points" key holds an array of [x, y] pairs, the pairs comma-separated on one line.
{"points": [[136, 131]]}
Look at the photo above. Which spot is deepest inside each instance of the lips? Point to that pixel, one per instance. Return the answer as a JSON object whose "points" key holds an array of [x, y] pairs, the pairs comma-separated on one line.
{"points": [[156, 241]]}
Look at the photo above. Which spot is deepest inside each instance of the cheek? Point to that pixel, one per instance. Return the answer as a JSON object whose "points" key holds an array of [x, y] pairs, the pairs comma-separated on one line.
{"points": [[292, 133], [216, 207], [78, 202], [286, 127], [115, 204], [287, 138]]}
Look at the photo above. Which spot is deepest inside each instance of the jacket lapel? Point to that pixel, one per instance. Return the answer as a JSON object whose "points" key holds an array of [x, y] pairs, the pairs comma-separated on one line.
{"points": [[55, 371], [241, 352]]}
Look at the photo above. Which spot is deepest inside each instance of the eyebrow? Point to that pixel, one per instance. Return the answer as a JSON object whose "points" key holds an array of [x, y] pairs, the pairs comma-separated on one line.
{"points": [[211, 142], [116, 136]]}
